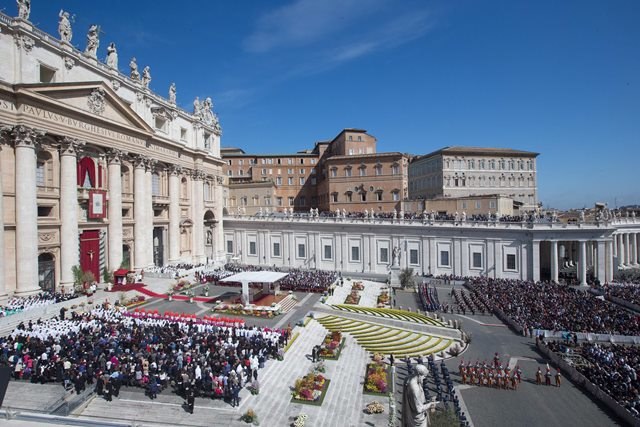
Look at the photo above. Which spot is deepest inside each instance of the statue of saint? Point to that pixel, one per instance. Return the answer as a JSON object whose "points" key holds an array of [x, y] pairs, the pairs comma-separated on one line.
{"points": [[146, 76], [396, 255], [581, 216], [134, 73], [207, 111], [172, 93], [64, 26], [197, 108], [414, 402], [112, 56], [93, 41], [24, 9]]}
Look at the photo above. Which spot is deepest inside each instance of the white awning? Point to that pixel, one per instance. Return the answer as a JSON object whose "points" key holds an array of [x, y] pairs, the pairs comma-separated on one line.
{"points": [[255, 277]]}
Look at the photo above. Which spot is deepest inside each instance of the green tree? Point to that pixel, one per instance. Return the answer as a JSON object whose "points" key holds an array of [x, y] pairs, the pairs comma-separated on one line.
{"points": [[406, 277]]}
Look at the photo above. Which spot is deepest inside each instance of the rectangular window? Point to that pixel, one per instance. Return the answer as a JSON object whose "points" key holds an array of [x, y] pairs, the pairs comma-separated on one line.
{"points": [[349, 197], [279, 201], [290, 201], [363, 172], [477, 260], [327, 252], [334, 197], [302, 180], [492, 204], [334, 173], [290, 180], [289, 162], [47, 74], [302, 252], [478, 205], [183, 134], [363, 197], [347, 172], [279, 180], [379, 196], [355, 253], [229, 246], [252, 248], [276, 249], [413, 256], [464, 205], [396, 196], [301, 171], [40, 181], [264, 171], [384, 255], [511, 262], [444, 258], [290, 171]]}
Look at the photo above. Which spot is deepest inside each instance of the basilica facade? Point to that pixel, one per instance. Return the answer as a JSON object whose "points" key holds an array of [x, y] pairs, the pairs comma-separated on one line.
{"points": [[98, 170]]}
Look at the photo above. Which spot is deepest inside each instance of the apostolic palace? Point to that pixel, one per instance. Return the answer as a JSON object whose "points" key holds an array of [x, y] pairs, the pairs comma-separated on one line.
{"points": [[99, 171]]}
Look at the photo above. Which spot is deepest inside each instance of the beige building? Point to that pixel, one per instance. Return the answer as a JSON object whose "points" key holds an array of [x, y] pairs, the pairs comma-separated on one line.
{"points": [[458, 172], [343, 173], [97, 169], [470, 205]]}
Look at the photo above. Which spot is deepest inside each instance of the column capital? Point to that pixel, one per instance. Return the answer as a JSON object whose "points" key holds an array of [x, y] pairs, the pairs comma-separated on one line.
{"points": [[219, 179], [69, 146], [140, 161], [151, 164], [114, 156], [24, 136], [175, 170], [197, 174]]}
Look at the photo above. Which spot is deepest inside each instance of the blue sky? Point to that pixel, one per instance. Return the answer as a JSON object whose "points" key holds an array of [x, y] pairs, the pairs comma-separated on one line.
{"points": [[561, 78]]}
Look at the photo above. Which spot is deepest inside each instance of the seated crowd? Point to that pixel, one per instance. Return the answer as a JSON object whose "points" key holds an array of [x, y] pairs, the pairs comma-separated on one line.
{"points": [[629, 292], [296, 280], [613, 368], [112, 349], [19, 304], [554, 307]]}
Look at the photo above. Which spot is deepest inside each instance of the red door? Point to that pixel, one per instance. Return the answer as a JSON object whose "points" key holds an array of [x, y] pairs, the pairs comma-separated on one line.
{"points": [[90, 252]]}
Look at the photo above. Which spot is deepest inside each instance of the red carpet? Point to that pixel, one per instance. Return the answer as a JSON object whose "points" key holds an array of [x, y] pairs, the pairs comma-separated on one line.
{"points": [[152, 294], [125, 288]]}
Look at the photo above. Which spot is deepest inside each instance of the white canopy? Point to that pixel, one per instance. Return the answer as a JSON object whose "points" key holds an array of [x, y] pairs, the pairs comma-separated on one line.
{"points": [[255, 277]]}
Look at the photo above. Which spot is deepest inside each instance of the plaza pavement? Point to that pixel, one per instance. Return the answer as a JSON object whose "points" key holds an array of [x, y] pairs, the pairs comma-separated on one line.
{"points": [[531, 405]]}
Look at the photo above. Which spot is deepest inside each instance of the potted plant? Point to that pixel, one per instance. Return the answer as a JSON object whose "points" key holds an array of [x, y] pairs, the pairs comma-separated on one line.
{"points": [[189, 294]]}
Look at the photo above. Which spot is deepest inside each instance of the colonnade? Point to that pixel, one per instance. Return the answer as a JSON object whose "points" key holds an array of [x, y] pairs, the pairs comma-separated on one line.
{"points": [[626, 245]]}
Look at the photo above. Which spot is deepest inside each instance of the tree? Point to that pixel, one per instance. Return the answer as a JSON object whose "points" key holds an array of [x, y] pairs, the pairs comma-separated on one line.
{"points": [[406, 277]]}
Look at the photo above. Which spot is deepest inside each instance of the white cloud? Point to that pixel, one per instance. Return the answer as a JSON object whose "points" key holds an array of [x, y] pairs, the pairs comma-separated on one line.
{"points": [[306, 21]]}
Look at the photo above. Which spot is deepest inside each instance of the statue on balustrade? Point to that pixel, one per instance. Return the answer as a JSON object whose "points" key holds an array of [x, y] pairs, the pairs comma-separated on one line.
{"points": [[112, 56], [133, 67], [93, 41], [24, 9], [64, 26]]}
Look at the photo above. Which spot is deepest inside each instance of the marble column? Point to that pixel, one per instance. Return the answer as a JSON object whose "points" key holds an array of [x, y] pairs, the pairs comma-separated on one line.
{"points": [[26, 140], [601, 271], [535, 260], [139, 213], [69, 243], [3, 286], [609, 261], [174, 214], [627, 250], [582, 263], [115, 209], [634, 248], [621, 250], [197, 206], [219, 232], [148, 183], [554, 261]]}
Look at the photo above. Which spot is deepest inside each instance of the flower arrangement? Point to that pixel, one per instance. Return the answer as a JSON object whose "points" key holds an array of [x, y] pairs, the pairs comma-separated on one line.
{"points": [[254, 387], [383, 298], [300, 420], [376, 378], [357, 286], [374, 407], [309, 388], [330, 347], [352, 298], [320, 367], [136, 300], [250, 417]]}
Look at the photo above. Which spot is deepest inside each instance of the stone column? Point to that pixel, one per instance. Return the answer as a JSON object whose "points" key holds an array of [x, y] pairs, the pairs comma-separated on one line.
{"points": [[554, 261], [535, 260], [621, 250], [582, 263], [219, 232], [610, 269], [197, 206], [148, 233], [3, 287], [69, 244], [601, 272], [139, 213], [174, 213], [115, 209], [634, 248], [26, 140]]}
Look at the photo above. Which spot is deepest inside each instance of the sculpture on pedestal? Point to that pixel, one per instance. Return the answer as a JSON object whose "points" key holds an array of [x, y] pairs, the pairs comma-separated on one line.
{"points": [[133, 67], [24, 9], [112, 56], [197, 108], [414, 402], [146, 76], [64, 26], [396, 255], [93, 41]]}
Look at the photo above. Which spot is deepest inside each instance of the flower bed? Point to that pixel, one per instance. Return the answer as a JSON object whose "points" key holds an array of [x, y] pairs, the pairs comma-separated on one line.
{"points": [[376, 380], [357, 286], [134, 302], [353, 298], [248, 310], [310, 389], [332, 345]]}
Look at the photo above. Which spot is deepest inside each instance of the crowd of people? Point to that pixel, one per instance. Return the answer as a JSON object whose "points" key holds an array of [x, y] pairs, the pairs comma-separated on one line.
{"points": [[629, 292], [110, 349], [613, 368], [490, 375], [554, 307], [174, 270], [296, 280], [19, 304]]}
